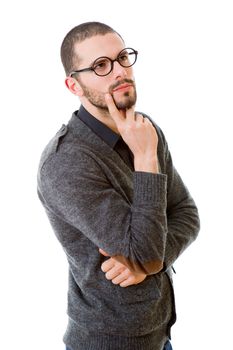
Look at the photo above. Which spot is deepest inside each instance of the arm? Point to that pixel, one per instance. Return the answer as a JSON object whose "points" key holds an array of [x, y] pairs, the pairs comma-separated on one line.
{"points": [[183, 227], [74, 187], [182, 214], [141, 137]]}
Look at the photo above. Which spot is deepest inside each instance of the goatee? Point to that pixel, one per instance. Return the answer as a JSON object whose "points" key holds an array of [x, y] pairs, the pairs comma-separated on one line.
{"points": [[97, 99]]}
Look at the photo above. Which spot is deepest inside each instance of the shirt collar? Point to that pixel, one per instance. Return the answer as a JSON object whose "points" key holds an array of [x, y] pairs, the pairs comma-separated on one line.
{"points": [[99, 128]]}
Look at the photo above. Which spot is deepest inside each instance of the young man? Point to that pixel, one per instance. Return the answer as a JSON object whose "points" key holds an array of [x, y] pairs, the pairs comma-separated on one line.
{"points": [[115, 201]]}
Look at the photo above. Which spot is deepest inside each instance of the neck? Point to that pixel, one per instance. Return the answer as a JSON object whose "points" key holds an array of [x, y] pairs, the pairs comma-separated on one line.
{"points": [[101, 114]]}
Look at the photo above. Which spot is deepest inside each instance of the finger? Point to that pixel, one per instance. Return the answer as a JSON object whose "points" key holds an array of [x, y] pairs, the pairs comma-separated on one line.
{"points": [[130, 114], [147, 120], [114, 112], [103, 252], [139, 118], [115, 272], [127, 282], [121, 277], [115, 268], [107, 265]]}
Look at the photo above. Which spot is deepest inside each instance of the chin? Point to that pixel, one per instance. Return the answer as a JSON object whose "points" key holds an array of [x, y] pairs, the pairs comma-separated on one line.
{"points": [[126, 103]]}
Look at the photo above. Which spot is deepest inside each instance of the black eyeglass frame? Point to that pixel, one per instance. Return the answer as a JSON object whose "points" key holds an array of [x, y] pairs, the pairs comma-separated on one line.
{"points": [[135, 52]]}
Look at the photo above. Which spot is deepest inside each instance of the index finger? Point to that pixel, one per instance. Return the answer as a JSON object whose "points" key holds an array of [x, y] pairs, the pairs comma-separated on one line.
{"points": [[130, 114], [114, 112]]}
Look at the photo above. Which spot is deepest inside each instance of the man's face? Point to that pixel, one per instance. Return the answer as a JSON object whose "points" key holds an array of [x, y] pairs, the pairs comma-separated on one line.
{"points": [[119, 82]]}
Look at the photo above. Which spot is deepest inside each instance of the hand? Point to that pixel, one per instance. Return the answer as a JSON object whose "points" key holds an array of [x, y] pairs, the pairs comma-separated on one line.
{"points": [[119, 273], [138, 133]]}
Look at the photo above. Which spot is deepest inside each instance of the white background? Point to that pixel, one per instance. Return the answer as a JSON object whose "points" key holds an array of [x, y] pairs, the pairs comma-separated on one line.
{"points": [[184, 80]]}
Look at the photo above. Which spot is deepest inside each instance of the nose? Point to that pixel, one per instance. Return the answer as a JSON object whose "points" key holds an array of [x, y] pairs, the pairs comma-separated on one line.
{"points": [[118, 70]]}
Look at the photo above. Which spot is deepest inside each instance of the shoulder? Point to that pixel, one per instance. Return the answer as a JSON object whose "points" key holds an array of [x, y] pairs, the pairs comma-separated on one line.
{"points": [[66, 154], [52, 147]]}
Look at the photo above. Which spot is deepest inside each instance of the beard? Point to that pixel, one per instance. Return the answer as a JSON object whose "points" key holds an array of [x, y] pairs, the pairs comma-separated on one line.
{"points": [[97, 99]]}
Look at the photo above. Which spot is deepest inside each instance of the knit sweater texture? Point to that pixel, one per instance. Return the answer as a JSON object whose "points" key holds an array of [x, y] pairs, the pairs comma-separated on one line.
{"points": [[94, 200]]}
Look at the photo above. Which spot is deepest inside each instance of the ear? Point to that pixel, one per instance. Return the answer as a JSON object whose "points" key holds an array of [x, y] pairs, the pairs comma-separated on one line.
{"points": [[74, 87]]}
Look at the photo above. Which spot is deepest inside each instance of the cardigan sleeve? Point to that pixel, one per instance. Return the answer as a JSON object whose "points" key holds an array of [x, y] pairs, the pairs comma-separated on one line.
{"points": [[183, 221], [76, 190]]}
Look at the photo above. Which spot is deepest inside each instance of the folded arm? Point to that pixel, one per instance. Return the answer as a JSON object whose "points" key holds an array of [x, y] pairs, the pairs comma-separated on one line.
{"points": [[182, 215], [133, 230]]}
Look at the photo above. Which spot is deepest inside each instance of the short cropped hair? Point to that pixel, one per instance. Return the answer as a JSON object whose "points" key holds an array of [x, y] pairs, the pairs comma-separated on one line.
{"points": [[76, 35]]}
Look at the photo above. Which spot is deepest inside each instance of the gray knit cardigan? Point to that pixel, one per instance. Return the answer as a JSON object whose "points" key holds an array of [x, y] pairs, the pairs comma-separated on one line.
{"points": [[94, 200]]}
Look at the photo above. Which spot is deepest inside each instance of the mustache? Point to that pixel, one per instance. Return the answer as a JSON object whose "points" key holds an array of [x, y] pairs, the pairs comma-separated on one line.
{"points": [[120, 82]]}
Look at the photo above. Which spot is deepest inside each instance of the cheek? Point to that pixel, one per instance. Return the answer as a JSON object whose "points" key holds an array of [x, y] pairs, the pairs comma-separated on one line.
{"points": [[99, 84], [131, 73]]}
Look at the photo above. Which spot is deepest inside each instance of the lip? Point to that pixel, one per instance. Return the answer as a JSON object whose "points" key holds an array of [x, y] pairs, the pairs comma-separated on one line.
{"points": [[122, 87]]}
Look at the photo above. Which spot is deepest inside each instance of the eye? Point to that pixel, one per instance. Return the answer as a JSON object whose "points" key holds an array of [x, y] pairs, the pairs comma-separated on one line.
{"points": [[101, 65], [124, 57]]}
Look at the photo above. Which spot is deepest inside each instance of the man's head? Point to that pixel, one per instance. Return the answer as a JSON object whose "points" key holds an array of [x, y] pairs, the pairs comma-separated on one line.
{"points": [[95, 45]]}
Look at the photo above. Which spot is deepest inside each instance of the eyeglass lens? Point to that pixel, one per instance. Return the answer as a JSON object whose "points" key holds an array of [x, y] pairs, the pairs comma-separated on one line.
{"points": [[103, 65]]}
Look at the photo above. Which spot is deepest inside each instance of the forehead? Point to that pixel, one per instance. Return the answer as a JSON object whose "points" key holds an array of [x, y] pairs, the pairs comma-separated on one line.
{"points": [[108, 45]]}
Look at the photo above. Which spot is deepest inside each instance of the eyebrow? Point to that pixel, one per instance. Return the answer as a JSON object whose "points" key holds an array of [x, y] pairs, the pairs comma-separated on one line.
{"points": [[91, 65]]}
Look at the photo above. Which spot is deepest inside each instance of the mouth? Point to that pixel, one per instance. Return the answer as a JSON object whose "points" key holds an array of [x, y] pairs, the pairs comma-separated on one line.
{"points": [[122, 87]]}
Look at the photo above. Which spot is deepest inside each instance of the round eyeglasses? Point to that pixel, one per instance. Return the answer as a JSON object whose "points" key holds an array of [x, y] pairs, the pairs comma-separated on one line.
{"points": [[104, 65]]}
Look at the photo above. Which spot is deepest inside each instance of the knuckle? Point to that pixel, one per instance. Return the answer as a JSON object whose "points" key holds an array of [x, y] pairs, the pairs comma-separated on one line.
{"points": [[139, 118], [132, 279], [120, 269], [128, 273]]}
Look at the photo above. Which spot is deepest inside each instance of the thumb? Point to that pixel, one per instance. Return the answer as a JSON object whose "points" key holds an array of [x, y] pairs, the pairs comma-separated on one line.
{"points": [[103, 252]]}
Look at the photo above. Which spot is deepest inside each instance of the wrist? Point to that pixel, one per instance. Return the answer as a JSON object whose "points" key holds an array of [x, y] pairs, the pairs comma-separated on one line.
{"points": [[145, 164]]}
